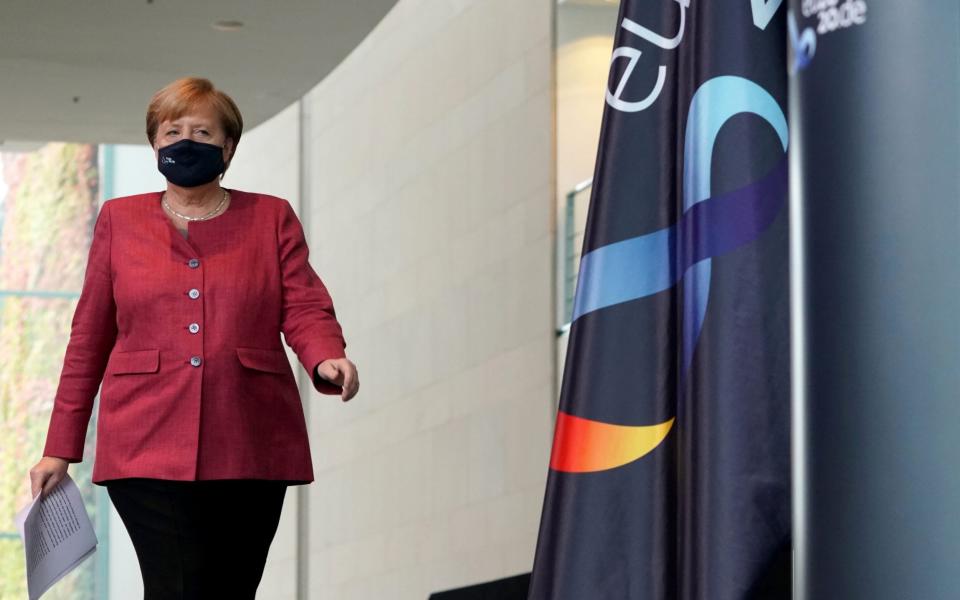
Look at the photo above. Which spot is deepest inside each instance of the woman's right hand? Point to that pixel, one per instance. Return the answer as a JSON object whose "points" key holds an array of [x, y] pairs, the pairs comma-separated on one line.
{"points": [[46, 474]]}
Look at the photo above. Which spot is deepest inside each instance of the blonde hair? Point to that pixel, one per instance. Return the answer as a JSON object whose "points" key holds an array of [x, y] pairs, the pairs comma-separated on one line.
{"points": [[186, 94]]}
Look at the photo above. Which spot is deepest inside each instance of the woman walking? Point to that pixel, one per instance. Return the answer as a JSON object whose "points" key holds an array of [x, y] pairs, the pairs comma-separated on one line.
{"points": [[200, 426]]}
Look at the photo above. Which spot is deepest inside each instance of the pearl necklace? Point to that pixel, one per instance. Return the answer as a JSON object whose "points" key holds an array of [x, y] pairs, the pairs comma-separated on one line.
{"points": [[209, 215]]}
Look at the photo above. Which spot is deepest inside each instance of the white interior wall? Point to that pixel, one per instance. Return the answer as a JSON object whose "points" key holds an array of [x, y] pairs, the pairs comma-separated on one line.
{"points": [[584, 45], [432, 193]]}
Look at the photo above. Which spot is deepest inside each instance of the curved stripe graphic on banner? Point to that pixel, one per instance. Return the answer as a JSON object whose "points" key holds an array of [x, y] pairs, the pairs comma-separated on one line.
{"points": [[652, 263], [715, 102], [582, 446], [648, 264]]}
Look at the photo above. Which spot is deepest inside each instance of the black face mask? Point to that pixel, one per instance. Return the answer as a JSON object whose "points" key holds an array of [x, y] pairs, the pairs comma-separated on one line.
{"points": [[188, 163]]}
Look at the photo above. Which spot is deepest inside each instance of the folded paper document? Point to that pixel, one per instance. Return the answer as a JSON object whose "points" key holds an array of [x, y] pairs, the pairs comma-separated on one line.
{"points": [[57, 536]]}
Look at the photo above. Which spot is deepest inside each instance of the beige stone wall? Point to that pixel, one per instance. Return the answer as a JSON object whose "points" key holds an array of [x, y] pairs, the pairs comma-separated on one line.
{"points": [[432, 192]]}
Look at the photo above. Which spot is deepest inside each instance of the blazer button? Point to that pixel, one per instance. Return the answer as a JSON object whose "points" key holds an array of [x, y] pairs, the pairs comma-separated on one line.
{"points": [[195, 361], [194, 327], [194, 293], [194, 263]]}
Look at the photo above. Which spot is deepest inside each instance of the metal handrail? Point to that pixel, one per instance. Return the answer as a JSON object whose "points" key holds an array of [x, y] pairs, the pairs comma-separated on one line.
{"points": [[571, 254]]}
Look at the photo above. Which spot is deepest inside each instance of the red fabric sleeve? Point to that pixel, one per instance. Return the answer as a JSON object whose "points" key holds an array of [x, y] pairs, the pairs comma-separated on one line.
{"points": [[309, 322], [93, 333]]}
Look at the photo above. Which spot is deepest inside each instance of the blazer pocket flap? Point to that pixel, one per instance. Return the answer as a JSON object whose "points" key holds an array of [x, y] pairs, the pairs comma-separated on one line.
{"points": [[264, 359], [135, 361]]}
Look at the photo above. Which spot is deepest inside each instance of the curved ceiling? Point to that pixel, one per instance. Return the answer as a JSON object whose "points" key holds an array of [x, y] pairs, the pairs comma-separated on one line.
{"points": [[85, 71]]}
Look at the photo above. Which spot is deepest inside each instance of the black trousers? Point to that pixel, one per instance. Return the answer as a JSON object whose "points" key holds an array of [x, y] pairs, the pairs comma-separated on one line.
{"points": [[199, 539]]}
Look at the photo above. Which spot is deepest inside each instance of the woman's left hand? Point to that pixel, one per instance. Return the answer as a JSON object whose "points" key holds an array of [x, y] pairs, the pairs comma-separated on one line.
{"points": [[342, 372]]}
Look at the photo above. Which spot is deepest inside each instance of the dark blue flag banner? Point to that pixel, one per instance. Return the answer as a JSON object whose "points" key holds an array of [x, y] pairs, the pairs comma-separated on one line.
{"points": [[670, 472]]}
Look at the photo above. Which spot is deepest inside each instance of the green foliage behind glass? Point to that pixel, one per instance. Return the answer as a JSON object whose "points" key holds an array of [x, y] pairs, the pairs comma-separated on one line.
{"points": [[46, 223]]}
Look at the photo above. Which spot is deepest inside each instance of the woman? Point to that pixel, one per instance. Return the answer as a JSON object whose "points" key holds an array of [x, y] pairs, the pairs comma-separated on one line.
{"points": [[200, 425]]}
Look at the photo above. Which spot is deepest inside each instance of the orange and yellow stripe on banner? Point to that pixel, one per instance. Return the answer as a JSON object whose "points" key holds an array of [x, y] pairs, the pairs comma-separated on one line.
{"points": [[583, 445]]}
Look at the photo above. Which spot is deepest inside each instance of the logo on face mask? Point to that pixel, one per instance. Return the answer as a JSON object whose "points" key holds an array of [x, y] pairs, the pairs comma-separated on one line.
{"points": [[166, 160]]}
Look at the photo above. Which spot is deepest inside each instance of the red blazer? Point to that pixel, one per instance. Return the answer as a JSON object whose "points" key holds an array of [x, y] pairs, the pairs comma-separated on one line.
{"points": [[185, 335]]}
